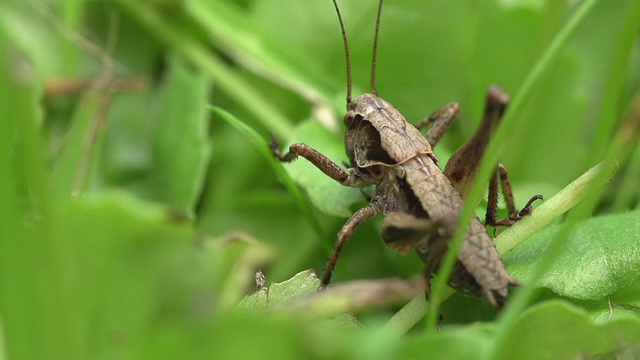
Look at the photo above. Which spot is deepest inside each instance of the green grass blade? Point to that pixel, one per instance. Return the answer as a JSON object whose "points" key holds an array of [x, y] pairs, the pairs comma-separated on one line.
{"points": [[226, 77], [37, 307]]}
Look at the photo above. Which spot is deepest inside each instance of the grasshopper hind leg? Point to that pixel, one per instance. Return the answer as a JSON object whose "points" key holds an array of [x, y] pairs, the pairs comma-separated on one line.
{"points": [[441, 119], [501, 178]]}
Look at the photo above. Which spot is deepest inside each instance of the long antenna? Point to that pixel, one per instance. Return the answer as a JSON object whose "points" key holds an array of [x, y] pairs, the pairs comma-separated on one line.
{"points": [[346, 53], [374, 59]]}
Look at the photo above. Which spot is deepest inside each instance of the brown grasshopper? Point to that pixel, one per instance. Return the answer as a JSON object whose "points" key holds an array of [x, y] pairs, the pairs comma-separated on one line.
{"points": [[421, 203]]}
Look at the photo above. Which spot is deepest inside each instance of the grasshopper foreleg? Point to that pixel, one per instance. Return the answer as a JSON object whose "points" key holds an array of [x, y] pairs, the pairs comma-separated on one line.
{"points": [[345, 177], [357, 219]]}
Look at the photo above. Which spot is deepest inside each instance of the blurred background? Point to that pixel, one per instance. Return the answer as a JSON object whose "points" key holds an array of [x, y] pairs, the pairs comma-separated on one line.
{"points": [[131, 205]]}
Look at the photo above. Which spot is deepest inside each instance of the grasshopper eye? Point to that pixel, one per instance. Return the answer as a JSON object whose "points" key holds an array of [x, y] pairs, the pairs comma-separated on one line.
{"points": [[350, 117]]}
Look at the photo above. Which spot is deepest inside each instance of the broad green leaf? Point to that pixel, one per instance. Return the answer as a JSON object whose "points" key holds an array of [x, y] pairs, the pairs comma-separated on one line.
{"points": [[264, 149], [629, 295], [157, 142], [303, 283], [119, 251], [558, 330], [326, 194], [461, 343], [601, 257], [182, 147]]}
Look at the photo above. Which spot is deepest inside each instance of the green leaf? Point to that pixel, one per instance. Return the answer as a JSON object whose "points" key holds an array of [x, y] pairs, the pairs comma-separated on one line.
{"points": [[462, 343], [301, 284], [33, 36], [601, 256], [558, 330], [182, 146], [289, 294], [118, 251], [264, 149]]}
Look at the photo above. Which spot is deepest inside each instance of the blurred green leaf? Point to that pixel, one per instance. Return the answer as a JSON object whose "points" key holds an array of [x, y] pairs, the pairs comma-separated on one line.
{"points": [[33, 35], [237, 256], [182, 146], [30, 284], [168, 30], [290, 295], [463, 343], [262, 145], [119, 251], [272, 58], [558, 330], [601, 256], [301, 284]]}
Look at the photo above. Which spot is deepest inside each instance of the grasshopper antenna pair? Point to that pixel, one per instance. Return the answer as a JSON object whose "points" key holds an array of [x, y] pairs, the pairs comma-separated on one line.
{"points": [[347, 55]]}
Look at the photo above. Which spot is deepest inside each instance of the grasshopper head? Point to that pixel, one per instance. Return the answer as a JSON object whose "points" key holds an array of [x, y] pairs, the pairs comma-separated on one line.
{"points": [[362, 140], [377, 133]]}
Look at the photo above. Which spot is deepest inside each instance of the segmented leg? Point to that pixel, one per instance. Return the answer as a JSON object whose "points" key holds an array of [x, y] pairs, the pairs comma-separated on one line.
{"points": [[492, 205], [345, 177], [463, 164], [440, 119], [507, 190], [432, 253], [357, 219]]}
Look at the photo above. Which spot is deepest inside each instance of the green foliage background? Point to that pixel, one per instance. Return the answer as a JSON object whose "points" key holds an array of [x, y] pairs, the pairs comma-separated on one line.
{"points": [[134, 216]]}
